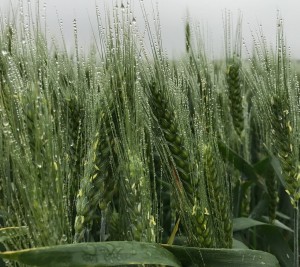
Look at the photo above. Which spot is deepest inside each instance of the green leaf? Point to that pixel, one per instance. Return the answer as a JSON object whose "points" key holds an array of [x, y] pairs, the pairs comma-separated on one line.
{"points": [[277, 168], [282, 216], [237, 244], [261, 207], [278, 245], [12, 232], [278, 224], [275, 163], [262, 166], [222, 257], [241, 164], [113, 253], [243, 223]]}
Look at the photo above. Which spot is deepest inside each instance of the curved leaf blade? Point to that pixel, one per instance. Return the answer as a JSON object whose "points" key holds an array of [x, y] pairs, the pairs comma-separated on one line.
{"points": [[262, 167], [222, 257], [278, 245], [113, 253], [275, 163], [278, 224], [244, 223], [240, 164], [238, 244]]}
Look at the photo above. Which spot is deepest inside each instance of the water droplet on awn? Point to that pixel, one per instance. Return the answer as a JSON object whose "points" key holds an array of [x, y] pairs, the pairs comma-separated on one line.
{"points": [[39, 166]]}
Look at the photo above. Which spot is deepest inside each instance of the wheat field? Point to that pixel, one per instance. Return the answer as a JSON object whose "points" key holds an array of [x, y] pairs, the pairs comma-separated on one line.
{"points": [[121, 156]]}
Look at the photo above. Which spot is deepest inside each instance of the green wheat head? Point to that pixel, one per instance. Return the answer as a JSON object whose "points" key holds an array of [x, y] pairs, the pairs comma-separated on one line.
{"points": [[139, 222], [282, 135], [235, 96], [218, 193], [97, 185]]}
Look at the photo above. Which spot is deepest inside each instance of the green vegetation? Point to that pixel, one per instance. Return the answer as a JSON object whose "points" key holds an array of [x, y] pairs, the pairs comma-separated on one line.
{"points": [[121, 156]]}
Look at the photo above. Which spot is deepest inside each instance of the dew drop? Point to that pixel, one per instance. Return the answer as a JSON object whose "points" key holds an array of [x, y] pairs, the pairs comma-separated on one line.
{"points": [[39, 165]]}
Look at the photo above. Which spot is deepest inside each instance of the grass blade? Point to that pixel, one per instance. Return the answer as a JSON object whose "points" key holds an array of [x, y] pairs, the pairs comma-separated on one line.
{"points": [[94, 254], [278, 245], [223, 257], [240, 224], [240, 164]]}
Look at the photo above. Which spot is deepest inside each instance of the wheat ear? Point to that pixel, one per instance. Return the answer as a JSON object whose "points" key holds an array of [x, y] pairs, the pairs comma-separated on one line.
{"points": [[235, 96]]}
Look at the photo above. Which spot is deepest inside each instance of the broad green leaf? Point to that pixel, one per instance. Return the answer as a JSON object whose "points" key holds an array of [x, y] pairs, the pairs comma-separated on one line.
{"points": [[277, 244], [275, 163], [238, 244], [12, 232], [277, 168], [278, 224], [241, 164], [113, 253], [243, 223], [282, 215], [222, 257], [262, 166], [261, 207]]}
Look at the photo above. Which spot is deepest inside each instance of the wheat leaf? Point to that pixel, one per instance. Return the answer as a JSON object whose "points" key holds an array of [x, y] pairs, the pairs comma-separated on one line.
{"points": [[113, 253]]}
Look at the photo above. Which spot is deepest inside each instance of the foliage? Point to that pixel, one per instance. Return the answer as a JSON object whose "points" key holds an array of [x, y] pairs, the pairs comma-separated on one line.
{"points": [[120, 150]]}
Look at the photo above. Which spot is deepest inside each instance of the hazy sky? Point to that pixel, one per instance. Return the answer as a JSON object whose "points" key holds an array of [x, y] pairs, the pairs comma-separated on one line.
{"points": [[208, 13]]}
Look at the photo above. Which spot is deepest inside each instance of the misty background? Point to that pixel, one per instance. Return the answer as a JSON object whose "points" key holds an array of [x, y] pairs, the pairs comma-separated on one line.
{"points": [[208, 15]]}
